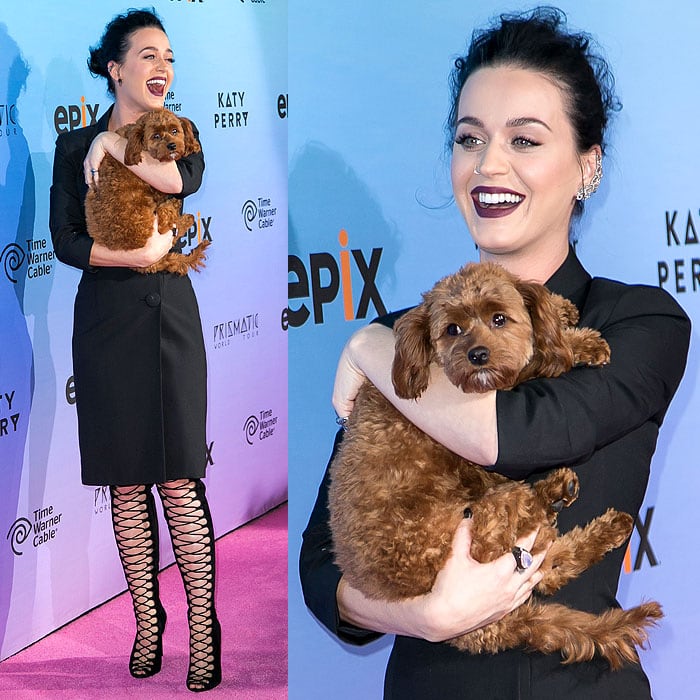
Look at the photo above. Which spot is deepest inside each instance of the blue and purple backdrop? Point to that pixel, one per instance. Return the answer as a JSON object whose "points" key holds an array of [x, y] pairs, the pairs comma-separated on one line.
{"points": [[369, 182], [57, 555]]}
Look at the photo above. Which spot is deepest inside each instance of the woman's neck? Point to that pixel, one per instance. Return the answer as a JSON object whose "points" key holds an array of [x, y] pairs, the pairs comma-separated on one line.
{"points": [[122, 115], [532, 266]]}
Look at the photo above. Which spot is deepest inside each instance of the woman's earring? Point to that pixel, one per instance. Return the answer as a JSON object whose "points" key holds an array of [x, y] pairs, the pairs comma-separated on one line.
{"points": [[586, 191]]}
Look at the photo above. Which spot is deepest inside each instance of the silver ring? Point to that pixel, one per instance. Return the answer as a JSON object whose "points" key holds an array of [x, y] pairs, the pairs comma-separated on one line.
{"points": [[523, 559], [342, 422], [93, 171]]}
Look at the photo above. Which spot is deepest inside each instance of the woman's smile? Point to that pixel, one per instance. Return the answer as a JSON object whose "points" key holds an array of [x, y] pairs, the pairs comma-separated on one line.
{"points": [[492, 202]]}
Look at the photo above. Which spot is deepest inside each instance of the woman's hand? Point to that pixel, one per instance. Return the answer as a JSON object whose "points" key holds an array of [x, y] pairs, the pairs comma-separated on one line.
{"points": [[464, 423], [158, 245], [103, 143], [164, 176], [370, 341], [466, 595]]}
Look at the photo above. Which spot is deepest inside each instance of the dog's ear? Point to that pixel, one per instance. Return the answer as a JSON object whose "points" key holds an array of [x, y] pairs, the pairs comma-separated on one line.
{"points": [[410, 371], [134, 143], [549, 316], [191, 143]]}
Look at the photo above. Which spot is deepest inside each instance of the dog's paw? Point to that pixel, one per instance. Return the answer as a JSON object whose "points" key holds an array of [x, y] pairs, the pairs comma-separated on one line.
{"points": [[591, 350], [617, 527], [559, 490], [186, 222]]}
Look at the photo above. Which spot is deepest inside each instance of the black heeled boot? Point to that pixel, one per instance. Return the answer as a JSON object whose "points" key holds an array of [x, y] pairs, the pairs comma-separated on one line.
{"points": [[136, 532], [189, 520]]}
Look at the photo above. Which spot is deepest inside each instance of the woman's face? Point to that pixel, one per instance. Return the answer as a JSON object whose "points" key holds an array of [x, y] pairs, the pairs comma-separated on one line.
{"points": [[146, 72], [513, 129]]}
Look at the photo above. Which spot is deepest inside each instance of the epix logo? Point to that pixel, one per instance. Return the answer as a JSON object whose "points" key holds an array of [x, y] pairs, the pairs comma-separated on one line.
{"points": [[69, 117], [326, 277], [282, 105], [644, 549], [194, 235]]}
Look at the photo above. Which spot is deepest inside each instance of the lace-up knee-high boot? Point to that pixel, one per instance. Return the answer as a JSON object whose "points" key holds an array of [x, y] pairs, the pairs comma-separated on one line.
{"points": [[136, 532], [189, 520]]}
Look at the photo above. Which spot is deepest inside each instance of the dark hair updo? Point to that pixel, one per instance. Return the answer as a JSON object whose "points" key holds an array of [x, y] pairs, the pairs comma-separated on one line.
{"points": [[115, 41], [538, 40]]}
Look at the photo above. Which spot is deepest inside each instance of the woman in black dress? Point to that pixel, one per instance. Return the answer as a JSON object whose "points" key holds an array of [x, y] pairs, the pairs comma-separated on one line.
{"points": [[530, 106], [139, 359]]}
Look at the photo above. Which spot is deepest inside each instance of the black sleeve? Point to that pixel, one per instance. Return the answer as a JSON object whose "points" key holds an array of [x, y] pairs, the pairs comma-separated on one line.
{"points": [[318, 572], [548, 422], [71, 242], [191, 170]]}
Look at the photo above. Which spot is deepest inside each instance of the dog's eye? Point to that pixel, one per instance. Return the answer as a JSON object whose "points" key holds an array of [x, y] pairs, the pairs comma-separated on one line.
{"points": [[498, 320], [174, 131], [454, 329], [156, 137]]}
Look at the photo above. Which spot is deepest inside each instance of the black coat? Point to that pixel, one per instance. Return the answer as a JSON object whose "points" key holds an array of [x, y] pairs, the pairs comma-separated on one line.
{"points": [[604, 423], [138, 353]]}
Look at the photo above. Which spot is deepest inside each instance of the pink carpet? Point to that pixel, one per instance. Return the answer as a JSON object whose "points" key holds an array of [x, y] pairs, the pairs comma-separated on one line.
{"points": [[88, 658]]}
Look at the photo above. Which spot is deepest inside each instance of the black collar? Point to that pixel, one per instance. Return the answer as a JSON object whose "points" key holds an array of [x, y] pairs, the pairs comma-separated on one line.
{"points": [[103, 122], [571, 280]]}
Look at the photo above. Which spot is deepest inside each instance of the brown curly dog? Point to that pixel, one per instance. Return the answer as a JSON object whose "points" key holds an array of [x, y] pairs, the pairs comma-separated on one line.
{"points": [[397, 496], [120, 210]]}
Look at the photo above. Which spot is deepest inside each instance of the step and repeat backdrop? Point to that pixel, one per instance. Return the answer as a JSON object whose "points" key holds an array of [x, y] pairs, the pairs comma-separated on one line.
{"points": [[57, 554], [371, 225]]}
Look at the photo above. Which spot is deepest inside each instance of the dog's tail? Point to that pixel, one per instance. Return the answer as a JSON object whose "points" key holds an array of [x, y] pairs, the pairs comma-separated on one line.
{"points": [[178, 263], [197, 256], [577, 635]]}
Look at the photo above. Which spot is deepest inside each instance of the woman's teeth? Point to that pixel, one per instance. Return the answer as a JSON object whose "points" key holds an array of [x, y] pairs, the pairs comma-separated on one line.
{"points": [[499, 198], [156, 86]]}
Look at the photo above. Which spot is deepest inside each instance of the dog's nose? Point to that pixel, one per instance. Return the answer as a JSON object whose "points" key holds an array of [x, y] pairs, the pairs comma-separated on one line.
{"points": [[172, 146], [478, 355]]}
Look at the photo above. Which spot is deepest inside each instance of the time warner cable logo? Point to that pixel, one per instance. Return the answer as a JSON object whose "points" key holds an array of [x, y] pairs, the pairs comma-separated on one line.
{"points": [[12, 259], [260, 211], [260, 427], [44, 526]]}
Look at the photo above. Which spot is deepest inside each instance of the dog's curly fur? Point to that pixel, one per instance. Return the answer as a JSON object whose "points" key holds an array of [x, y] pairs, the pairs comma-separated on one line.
{"points": [[120, 210], [397, 496]]}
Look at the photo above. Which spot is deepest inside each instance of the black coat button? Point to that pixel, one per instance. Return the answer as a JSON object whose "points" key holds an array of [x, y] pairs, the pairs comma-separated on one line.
{"points": [[153, 299]]}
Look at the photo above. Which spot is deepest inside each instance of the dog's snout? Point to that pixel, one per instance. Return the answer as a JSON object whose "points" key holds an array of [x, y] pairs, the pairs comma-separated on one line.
{"points": [[478, 355], [172, 146]]}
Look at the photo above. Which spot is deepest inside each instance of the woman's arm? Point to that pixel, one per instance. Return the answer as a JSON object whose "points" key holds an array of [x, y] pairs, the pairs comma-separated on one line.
{"points": [[544, 422], [157, 246], [466, 595], [464, 423], [182, 177], [165, 177], [548, 422], [71, 241]]}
